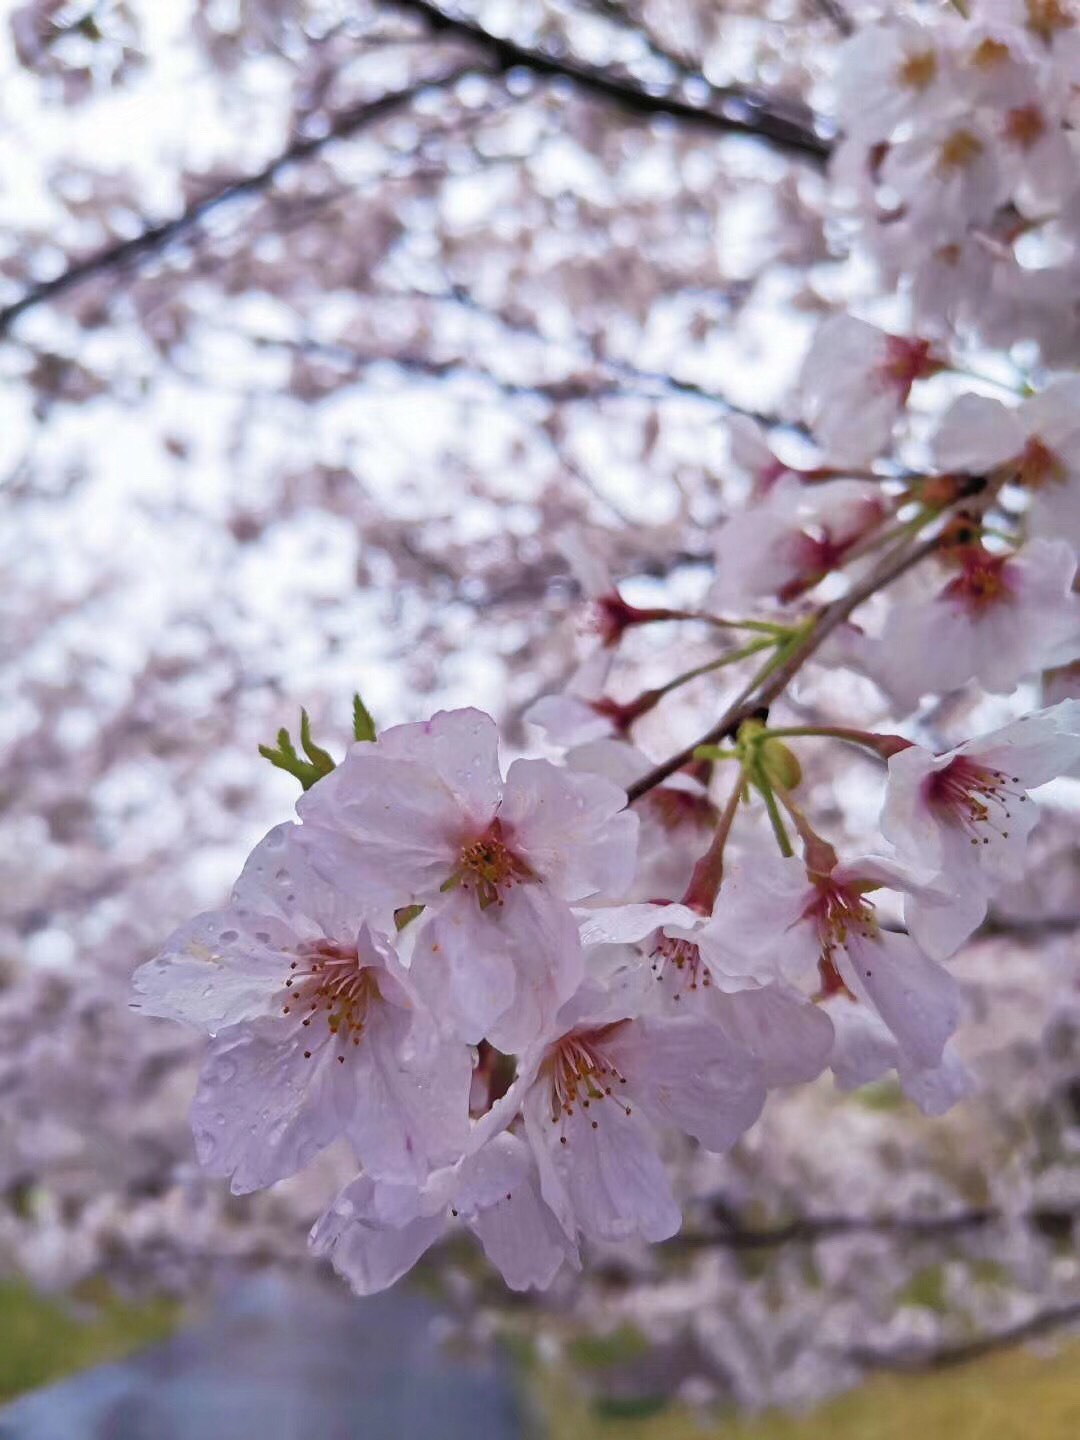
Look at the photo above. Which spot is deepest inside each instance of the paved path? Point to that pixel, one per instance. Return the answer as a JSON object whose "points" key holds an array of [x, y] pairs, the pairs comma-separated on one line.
{"points": [[282, 1361]]}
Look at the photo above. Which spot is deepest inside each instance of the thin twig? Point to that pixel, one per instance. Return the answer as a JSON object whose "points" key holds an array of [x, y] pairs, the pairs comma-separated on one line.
{"points": [[888, 569], [735, 109], [158, 237]]}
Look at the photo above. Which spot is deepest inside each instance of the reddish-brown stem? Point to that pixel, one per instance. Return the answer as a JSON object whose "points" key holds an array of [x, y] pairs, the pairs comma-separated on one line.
{"points": [[888, 569], [705, 881]]}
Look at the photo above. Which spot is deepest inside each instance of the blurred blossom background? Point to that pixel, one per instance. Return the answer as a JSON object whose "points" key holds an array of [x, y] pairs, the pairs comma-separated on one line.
{"points": [[320, 322]]}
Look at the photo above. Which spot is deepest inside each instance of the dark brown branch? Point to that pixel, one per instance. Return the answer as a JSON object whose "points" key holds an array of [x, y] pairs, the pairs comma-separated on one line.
{"points": [[788, 126], [941, 1357], [837, 15], [157, 237], [733, 1234], [890, 568]]}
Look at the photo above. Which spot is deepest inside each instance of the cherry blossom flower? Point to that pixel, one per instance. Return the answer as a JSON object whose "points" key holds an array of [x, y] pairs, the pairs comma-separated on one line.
{"points": [[891, 73], [676, 818], [752, 454], [789, 541], [697, 972], [965, 815], [595, 1094], [999, 618], [864, 1051], [317, 1033], [788, 922], [854, 383], [1040, 438], [376, 1230], [426, 819]]}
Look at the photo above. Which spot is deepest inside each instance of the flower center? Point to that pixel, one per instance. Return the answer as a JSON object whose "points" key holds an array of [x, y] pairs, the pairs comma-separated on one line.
{"points": [[959, 150], [989, 54], [982, 583], [1046, 17], [918, 70], [973, 798], [1039, 466], [488, 867], [328, 980], [579, 1073], [1024, 126], [839, 912], [905, 362], [679, 963]]}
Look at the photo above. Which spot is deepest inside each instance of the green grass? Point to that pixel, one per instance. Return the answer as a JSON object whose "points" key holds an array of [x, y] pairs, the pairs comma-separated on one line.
{"points": [[1017, 1395], [45, 1338]]}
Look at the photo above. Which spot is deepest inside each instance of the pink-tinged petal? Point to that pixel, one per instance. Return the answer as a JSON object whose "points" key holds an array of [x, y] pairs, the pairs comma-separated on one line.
{"points": [[407, 1119], [499, 1199], [977, 434], [460, 968], [213, 972], [906, 819], [262, 1110], [461, 747], [791, 1039], [610, 1178], [403, 827], [572, 829], [626, 924], [863, 1049], [690, 1074], [364, 1245], [568, 720], [916, 998], [941, 920], [536, 936], [936, 1088], [317, 902], [757, 926], [1033, 749]]}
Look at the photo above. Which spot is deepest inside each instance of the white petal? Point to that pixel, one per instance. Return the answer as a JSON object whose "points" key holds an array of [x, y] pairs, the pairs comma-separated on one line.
{"points": [[791, 1038], [916, 998], [690, 1074], [573, 829], [365, 1247], [262, 1110]]}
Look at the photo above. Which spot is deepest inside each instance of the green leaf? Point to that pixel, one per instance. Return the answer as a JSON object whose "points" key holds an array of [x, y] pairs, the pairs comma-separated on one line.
{"points": [[363, 724], [318, 763], [322, 761]]}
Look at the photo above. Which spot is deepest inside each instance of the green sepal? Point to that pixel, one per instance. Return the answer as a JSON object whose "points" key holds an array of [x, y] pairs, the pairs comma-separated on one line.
{"points": [[284, 756], [363, 724]]}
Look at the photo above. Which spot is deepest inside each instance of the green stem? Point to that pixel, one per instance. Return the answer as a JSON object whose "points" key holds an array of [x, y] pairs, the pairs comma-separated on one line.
{"points": [[775, 818], [730, 658], [883, 745]]}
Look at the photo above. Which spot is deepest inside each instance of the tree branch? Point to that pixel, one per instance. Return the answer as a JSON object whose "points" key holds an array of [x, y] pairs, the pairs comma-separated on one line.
{"points": [[733, 1234], [941, 1357], [789, 127], [157, 237], [888, 569]]}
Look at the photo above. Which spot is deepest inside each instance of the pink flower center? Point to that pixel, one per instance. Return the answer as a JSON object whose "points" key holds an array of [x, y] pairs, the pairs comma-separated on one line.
{"points": [[905, 362], [982, 583], [675, 809], [1046, 17], [328, 980], [973, 798], [488, 867], [1039, 466], [581, 1074], [678, 963], [839, 912]]}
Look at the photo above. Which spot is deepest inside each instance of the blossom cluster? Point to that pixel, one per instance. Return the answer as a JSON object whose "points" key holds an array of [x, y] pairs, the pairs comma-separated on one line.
{"points": [[511, 1000], [959, 168], [459, 977]]}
